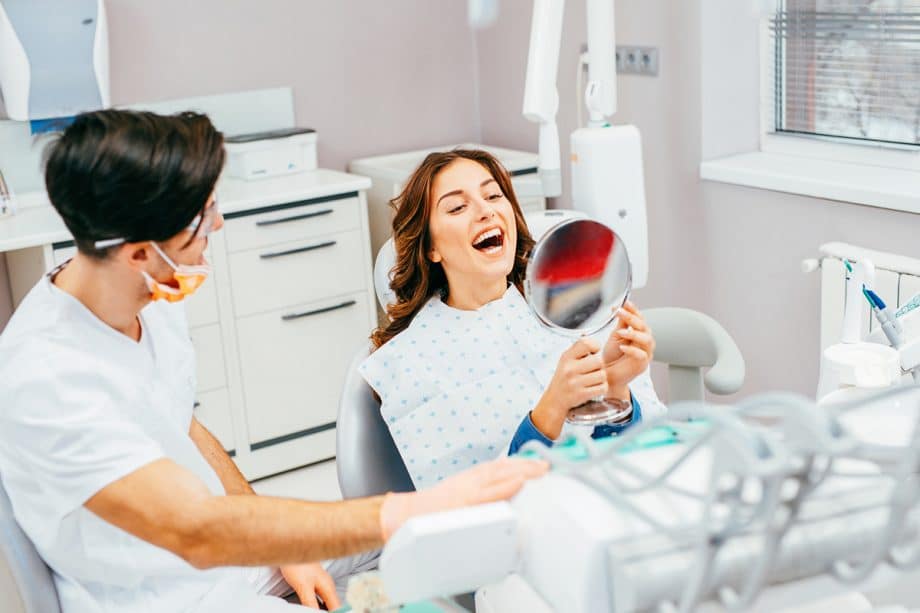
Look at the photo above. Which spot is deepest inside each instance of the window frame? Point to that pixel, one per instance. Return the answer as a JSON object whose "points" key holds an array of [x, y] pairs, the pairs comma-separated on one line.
{"points": [[885, 155]]}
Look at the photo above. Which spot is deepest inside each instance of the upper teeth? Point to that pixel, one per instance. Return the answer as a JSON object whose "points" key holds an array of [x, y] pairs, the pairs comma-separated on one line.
{"points": [[486, 235]]}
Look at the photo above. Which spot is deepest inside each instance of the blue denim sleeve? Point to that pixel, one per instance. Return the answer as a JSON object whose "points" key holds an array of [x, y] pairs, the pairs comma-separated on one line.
{"points": [[527, 432], [636, 417]]}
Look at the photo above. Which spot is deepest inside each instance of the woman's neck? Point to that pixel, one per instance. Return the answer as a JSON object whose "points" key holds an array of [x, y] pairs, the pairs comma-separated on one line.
{"points": [[473, 295]]}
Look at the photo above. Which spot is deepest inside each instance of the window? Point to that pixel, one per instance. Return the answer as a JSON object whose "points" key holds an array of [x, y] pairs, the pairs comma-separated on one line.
{"points": [[847, 70]]}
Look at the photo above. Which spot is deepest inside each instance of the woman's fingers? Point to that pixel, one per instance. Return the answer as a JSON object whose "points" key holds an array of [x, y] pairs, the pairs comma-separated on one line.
{"points": [[583, 347], [633, 320], [637, 352], [637, 338]]}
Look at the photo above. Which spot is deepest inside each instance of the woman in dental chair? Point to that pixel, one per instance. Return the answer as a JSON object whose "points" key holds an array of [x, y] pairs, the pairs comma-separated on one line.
{"points": [[465, 372]]}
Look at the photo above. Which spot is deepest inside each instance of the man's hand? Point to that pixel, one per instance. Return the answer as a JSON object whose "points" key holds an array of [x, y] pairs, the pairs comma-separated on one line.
{"points": [[310, 581], [488, 482]]}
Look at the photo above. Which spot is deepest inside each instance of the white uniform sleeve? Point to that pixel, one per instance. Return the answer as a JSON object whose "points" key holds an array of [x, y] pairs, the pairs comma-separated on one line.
{"points": [[63, 441]]}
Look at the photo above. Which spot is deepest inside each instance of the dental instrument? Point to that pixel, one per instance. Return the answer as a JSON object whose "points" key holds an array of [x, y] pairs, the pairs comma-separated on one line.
{"points": [[886, 319]]}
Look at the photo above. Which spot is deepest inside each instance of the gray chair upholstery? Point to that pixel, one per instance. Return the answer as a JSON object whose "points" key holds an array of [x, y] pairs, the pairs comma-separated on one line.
{"points": [[367, 460], [689, 341], [26, 585]]}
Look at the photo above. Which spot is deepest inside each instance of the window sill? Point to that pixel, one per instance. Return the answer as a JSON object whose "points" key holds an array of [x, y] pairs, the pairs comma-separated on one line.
{"points": [[887, 188]]}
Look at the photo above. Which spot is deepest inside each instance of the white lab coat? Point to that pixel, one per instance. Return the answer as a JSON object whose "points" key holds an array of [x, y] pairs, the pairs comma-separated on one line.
{"points": [[83, 406], [456, 384]]}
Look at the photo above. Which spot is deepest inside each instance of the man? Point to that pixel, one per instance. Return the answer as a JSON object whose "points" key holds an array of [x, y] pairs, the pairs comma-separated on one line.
{"points": [[132, 502]]}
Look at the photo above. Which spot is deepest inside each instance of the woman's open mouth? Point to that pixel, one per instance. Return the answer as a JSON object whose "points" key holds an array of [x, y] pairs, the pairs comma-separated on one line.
{"points": [[490, 241]]}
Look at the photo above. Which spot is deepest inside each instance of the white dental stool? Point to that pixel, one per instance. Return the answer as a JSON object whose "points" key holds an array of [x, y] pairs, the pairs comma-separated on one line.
{"points": [[687, 341], [25, 580]]}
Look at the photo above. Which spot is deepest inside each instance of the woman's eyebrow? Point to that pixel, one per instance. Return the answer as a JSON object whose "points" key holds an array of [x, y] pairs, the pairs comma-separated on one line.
{"points": [[456, 192]]}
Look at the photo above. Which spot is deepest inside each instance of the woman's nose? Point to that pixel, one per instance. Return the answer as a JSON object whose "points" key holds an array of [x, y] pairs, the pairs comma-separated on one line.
{"points": [[486, 211]]}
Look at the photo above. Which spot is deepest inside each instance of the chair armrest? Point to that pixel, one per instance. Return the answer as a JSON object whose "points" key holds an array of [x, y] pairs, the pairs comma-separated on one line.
{"points": [[685, 337]]}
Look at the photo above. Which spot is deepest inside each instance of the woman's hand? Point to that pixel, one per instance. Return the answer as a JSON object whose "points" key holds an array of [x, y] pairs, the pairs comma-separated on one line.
{"points": [[628, 351], [579, 377]]}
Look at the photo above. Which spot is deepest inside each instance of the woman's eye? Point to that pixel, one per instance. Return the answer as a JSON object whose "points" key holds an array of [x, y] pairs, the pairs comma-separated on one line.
{"points": [[495, 196], [456, 208]]}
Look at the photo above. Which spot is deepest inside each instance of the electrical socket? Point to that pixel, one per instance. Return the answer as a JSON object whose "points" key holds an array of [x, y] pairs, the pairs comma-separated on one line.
{"points": [[637, 60]]}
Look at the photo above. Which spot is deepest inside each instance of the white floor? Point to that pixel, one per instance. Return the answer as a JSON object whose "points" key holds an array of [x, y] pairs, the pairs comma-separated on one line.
{"points": [[315, 482]]}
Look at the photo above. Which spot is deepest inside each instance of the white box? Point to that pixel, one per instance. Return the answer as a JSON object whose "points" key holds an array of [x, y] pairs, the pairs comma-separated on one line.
{"points": [[269, 154]]}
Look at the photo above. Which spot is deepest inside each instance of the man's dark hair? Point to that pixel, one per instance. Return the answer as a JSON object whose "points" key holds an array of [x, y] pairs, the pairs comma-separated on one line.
{"points": [[133, 175]]}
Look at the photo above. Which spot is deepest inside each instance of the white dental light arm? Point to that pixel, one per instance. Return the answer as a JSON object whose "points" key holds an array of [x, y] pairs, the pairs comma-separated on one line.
{"points": [[541, 98], [601, 95]]}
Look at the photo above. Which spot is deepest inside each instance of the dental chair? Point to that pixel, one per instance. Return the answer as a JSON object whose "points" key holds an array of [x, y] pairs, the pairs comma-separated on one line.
{"points": [[688, 341], [25, 580]]}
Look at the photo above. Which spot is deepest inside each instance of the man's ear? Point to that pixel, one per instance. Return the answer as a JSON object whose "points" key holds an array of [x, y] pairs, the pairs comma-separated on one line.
{"points": [[135, 254]]}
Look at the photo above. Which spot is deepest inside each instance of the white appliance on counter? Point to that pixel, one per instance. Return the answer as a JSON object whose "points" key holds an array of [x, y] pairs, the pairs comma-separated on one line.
{"points": [[261, 155]]}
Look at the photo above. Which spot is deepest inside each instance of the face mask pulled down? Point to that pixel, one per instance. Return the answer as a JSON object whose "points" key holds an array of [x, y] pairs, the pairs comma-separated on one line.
{"points": [[188, 277]]}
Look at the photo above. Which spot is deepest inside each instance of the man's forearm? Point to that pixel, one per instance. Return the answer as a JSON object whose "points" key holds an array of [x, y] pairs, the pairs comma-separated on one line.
{"points": [[261, 530], [230, 476]]}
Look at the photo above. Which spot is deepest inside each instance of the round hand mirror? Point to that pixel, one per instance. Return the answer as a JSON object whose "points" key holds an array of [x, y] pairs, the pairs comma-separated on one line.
{"points": [[578, 276]]}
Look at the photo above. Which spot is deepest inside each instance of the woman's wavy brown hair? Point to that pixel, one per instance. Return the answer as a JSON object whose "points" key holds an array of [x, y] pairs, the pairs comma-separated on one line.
{"points": [[415, 278]]}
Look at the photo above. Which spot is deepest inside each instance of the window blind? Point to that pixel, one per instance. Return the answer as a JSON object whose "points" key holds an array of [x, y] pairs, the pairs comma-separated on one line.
{"points": [[848, 69]]}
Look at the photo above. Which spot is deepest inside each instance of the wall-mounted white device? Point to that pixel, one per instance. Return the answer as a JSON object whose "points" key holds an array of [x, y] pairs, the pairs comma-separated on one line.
{"points": [[608, 182], [54, 58]]}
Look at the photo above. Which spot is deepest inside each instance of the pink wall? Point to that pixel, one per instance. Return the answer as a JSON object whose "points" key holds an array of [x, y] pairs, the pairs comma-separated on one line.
{"points": [[371, 77]]}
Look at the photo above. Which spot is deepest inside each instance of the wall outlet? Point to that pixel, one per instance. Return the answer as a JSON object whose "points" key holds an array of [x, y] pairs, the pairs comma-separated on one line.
{"points": [[637, 60]]}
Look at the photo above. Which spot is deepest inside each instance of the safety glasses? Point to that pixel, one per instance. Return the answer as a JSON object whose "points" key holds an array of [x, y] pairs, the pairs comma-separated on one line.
{"points": [[201, 227]]}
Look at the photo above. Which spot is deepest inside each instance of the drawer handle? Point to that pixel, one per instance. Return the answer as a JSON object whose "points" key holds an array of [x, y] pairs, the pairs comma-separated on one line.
{"points": [[335, 307], [272, 222], [278, 254]]}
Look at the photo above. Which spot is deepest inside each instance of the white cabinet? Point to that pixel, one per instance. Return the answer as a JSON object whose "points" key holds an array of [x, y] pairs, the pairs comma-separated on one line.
{"points": [[295, 299], [293, 364]]}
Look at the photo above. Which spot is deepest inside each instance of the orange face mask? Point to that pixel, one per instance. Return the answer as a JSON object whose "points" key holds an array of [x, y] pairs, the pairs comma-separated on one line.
{"points": [[188, 277]]}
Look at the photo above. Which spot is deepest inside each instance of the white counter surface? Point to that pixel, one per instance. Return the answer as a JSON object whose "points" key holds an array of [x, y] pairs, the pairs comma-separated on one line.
{"points": [[37, 223]]}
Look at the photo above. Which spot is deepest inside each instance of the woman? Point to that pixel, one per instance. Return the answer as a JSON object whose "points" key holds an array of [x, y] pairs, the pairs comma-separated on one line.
{"points": [[464, 371]]}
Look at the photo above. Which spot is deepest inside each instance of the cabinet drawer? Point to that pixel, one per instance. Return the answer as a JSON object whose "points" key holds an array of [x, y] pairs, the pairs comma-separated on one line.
{"points": [[201, 307], [295, 273], [212, 409], [209, 357], [293, 368], [289, 222]]}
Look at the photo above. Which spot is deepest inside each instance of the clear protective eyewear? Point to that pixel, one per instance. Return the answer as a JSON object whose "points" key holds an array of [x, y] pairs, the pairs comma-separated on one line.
{"points": [[201, 227]]}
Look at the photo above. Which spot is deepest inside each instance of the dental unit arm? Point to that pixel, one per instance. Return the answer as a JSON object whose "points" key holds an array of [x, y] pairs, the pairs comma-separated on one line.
{"points": [[754, 500], [608, 182]]}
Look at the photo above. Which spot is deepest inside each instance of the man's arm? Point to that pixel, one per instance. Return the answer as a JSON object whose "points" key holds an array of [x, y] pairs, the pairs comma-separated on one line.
{"points": [[169, 506], [230, 476]]}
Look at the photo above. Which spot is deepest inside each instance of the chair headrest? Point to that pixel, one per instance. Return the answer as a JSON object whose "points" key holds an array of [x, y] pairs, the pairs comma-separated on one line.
{"points": [[538, 222]]}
